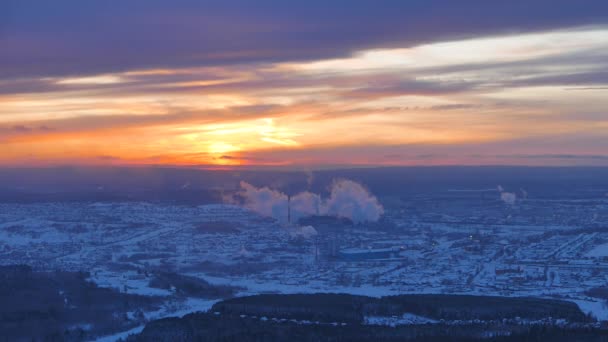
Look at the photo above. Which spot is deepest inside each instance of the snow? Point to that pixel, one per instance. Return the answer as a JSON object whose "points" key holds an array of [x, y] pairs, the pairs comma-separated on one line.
{"points": [[598, 251], [190, 305], [123, 335], [120, 244], [405, 319], [597, 308]]}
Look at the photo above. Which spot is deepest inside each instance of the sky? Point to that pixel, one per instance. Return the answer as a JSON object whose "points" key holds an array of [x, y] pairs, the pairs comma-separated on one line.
{"points": [[303, 83]]}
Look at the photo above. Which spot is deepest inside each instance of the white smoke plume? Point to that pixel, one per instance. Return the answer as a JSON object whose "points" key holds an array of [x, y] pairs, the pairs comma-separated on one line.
{"points": [[310, 177], [347, 199], [306, 204], [265, 201], [352, 200], [508, 197]]}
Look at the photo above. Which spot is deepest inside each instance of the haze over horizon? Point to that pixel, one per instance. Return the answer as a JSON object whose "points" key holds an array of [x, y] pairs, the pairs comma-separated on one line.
{"points": [[307, 84]]}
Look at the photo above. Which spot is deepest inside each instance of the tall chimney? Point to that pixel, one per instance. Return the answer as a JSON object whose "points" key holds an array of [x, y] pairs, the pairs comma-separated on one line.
{"points": [[288, 208]]}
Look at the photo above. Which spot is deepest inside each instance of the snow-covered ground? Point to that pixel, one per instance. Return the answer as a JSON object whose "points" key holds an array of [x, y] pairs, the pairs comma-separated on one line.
{"points": [[598, 251], [493, 252], [180, 309], [405, 319]]}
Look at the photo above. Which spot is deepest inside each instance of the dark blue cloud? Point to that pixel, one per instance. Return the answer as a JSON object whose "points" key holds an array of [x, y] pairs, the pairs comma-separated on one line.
{"points": [[41, 37]]}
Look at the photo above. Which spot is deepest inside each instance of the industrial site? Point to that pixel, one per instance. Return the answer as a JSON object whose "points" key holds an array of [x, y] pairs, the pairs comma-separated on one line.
{"points": [[488, 241]]}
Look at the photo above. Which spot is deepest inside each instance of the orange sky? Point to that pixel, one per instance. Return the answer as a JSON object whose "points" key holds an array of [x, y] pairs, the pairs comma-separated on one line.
{"points": [[514, 99]]}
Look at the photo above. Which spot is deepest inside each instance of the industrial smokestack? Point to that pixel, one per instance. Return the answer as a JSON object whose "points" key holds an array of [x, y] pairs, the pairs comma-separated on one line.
{"points": [[289, 209]]}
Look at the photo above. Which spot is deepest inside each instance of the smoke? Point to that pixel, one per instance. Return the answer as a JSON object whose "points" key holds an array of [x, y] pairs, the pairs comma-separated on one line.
{"points": [[508, 197], [310, 177], [265, 201], [347, 199], [306, 204], [352, 200]]}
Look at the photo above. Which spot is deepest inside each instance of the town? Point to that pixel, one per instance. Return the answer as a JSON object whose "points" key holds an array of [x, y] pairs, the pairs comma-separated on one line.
{"points": [[454, 242]]}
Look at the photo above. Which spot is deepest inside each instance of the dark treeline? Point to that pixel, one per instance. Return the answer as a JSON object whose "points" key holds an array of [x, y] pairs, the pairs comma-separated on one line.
{"points": [[352, 309], [341, 317], [190, 286], [63, 306], [210, 327]]}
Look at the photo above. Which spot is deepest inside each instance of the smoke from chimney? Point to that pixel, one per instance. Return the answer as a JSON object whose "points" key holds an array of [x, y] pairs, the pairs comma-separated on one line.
{"points": [[265, 201], [509, 198], [347, 199], [352, 200]]}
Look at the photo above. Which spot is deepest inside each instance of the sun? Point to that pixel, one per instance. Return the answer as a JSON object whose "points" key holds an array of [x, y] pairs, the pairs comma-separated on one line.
{"points": [[221, 147]]}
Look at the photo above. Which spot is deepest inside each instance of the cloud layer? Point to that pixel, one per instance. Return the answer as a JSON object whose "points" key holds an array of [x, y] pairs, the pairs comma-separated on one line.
{"points": [[310, 83], [73, 37]]}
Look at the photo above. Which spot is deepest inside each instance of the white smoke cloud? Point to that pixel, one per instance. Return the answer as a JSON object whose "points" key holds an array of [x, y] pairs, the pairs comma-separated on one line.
{"points": [[306, 204], [265, 201], [352, 200], [508, 197], [347, 199], [310, 177]]}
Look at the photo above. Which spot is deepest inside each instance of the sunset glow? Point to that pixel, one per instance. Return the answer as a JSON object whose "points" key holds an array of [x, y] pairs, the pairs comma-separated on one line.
{"points": [[483, 98]]}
